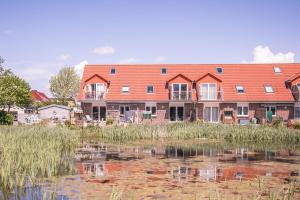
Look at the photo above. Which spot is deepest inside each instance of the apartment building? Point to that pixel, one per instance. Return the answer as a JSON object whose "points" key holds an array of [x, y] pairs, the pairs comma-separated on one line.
{"points": [[228, 93]]}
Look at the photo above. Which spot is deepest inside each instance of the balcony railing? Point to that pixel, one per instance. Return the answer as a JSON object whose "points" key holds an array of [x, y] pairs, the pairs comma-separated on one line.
{"points": [[181, 96], [95, 95], [211, 96]]}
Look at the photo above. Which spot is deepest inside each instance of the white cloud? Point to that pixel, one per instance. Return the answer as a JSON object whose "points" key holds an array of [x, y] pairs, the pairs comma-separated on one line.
{"points": [[106, 50], [265, 55], [129, 60], [79, 67], [160, 59], [64, 56]]}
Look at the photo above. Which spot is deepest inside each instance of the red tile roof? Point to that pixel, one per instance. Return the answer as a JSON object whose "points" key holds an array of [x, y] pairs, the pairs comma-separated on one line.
{"points": [[253, 77], [39, 96]]}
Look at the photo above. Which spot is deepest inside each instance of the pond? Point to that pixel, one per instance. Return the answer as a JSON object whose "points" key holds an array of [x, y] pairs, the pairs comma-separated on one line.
{"points": [[179, 170]]}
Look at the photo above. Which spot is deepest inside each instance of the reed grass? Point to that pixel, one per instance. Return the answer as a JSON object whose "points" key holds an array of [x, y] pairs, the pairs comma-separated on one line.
{"points": [[28, 154], [185, 131]]}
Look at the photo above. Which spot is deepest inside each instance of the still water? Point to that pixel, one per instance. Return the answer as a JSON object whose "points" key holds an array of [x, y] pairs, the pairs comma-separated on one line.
{"points": [[179, 171]]}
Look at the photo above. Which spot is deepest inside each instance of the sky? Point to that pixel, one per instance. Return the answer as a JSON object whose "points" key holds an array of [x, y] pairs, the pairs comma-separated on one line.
{"points": [[39, 37]]}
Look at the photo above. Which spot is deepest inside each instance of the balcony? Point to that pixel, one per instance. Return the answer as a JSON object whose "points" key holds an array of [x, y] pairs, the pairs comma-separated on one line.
{"points": [[181, 96], [94, 95]]}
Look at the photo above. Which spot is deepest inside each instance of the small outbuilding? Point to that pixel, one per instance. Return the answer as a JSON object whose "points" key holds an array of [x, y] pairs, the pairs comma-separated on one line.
{"points": [[54, 112]]}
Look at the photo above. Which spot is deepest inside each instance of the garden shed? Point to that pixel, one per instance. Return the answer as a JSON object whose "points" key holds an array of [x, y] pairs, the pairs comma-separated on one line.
{"points": [[55, 112]]}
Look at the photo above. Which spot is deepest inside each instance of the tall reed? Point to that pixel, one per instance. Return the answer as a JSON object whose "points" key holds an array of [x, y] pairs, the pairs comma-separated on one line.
{"points": [[30, 153]]}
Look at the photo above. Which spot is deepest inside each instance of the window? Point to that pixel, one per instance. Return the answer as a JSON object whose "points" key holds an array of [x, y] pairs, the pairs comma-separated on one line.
{"points": [[150, 89], [163, 70], [211, 114], [240, 89], [180, 91], [242, 110], [297, 112], [123, 109], [151, 109], [277, 70], [208, 91], [219, 70], [125, 89], [272, 109], [113, 71], [269, 89]]}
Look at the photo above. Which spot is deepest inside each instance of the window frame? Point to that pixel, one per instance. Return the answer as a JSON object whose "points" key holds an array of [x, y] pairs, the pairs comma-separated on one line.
{"points": [[243, 111], [125, 92], [208, 99], [153, 114], [179, 89], [148, 88], [124, 108]]}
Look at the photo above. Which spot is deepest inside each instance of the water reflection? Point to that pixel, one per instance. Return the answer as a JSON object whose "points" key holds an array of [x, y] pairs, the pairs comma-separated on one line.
{"points": [[191, 163]]}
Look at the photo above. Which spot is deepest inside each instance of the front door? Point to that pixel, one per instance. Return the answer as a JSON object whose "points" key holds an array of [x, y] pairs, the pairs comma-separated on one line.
{"points": [[176, 113]]}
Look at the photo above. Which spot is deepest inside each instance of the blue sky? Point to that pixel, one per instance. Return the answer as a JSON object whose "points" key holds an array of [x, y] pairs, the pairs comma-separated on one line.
{"points": [[37, 38]]}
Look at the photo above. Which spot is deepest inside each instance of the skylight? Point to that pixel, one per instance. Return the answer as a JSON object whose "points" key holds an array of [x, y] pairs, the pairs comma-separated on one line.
{"points": [[113, 71], [125, 89], [277, 69], [269, 89], [219, 70], [240, 89], [163, 70]]}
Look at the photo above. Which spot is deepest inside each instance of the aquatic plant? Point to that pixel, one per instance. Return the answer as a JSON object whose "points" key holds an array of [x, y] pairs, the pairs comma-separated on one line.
{"points": [[184, 131], [28, 154]]}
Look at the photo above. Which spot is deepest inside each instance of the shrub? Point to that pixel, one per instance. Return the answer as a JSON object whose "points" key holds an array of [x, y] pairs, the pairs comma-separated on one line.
{"points": [[277, 122], [109, 121], [297, 125], [6, 118]]}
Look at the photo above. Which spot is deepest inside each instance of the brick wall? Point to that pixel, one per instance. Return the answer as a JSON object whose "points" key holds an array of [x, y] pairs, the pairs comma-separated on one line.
{"points": [[188, 111], [199, 107], [286, 112], [87, 108], [162, 112]]}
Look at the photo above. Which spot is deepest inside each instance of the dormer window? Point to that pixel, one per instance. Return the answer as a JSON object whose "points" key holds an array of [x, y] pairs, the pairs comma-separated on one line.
{"points": [[113, 71], [240, 89], [277, 70], [269, 89], [219, 70], [163, 70]]}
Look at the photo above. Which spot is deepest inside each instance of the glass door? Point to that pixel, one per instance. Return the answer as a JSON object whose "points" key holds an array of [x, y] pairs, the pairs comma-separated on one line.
{"points": [[211, 114], [176, 113], [102, 113]]}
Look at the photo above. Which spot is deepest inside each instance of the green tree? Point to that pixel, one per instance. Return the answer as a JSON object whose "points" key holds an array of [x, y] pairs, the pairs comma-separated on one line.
{"points": [[65, 85], [3, 71], [13, 91]]}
